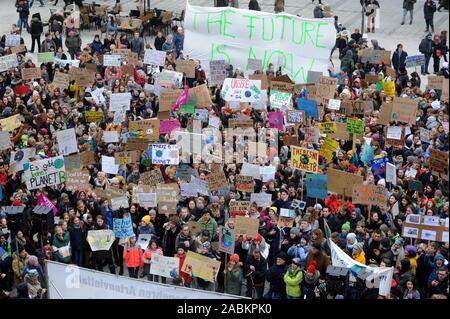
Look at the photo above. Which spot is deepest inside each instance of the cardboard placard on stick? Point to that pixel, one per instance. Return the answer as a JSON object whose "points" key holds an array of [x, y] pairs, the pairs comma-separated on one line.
{"points": [[370, 195], [187, 67], [246, 226], [341, 182], [31, 73]]}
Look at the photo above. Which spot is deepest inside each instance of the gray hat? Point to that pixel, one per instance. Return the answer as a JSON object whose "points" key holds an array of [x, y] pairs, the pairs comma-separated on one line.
{"points": [[295, 231]]}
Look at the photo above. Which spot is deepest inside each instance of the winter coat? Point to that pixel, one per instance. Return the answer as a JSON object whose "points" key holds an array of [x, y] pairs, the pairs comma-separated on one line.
{"points": [[18, 264], [428, 11], [275, 276], [46, 45], [181, 239], [36, 27], [318, 12], [169, 240], [137, 46], [62, 249], [399, 60], [77, 238], [73, 44], [210, 225], [293, 280], [297, 251], [159, 43], [133, 257], [234, 281], [259, 275], [97, 46], [279, 6], [254, 5], [408, 4], [347, 63], [178, 41], [361, 257], [24, 10], [414, 294]]}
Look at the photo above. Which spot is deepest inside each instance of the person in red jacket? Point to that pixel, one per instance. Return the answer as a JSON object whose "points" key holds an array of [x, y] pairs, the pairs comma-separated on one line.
{"points": [[336, 202], [132, 255], [181, 254]]}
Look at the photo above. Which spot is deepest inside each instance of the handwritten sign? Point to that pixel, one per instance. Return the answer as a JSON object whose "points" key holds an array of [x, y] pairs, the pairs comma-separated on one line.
{"points": [[246, 226], [305, 159], [101, 239], [201, 266], [341, 182], [166, 154], [46, 172], [355, 126], [217, 72], [370, 195], [438, 161], [187, 67], [316, 185], [327, 127], [238, 208], [216, 180], [112, 60], [31, 73], [93, 116]]}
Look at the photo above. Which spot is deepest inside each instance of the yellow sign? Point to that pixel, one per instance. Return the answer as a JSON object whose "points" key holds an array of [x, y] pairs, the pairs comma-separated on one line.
{"points": [[200, 266], [327, 127], [305, 159], [11, 123], [389, 88], [328, 147]]}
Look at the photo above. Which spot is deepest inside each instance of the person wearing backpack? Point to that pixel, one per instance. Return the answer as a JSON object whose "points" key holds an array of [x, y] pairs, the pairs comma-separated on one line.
{"points": [[293, 279], [426, 48]]}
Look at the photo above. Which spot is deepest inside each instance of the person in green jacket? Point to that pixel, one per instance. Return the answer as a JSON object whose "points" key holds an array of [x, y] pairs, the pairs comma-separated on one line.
{"points": [[207, 222], [293, 278], [61, 246], [233, 272]]}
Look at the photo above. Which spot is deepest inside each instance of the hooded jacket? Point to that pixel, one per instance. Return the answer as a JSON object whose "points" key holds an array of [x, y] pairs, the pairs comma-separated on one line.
{"points": [[293, 280], [36, 27], [275, 276]]}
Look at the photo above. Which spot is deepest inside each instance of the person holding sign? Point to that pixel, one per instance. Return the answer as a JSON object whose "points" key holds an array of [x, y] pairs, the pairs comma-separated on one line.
{"points": [[102, 257], [132, 255]]}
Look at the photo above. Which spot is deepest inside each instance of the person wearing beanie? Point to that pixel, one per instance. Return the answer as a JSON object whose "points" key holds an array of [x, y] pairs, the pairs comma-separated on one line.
{"points": [[311, 281], [358, 253], [345, 229], [146, 226], [398, 252], [351, 241], [275, 277], [255, 272], [233, 272], [293, 279]]}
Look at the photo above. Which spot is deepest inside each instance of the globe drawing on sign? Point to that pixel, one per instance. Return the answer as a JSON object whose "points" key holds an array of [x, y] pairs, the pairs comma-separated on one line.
{"points": [[248, 93], [19, 156], [59, 163], [304, 159], [173, 273], [227, 240], [159, 153], [394, 115]]}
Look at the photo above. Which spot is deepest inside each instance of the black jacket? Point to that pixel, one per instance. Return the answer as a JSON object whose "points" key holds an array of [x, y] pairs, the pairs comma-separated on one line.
{"points": [[254, 5], [275, 276], [259, 275], [428, 11], [36, 27]]}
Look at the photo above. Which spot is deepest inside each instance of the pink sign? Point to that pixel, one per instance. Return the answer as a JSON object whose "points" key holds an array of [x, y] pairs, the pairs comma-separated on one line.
{"points": [[167, 126], [276, 120]]}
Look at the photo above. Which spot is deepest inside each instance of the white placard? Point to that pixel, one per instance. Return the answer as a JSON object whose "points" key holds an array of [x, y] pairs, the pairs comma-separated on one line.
{"points": [[425, 135], [20, 157], [261, 199], [413, 219], [143, 240], [431, 220], [12, 40], [46, 172], [5, 141], [334, 104], [394, 132], [119, 202], [109, 165], [147, 199], [241, 90], [410, 232], [166, 154], [428, 235], [165, 266], [155, 57], [119, 102], [251, 170], [110, 136], [67, 141], [214, 121], [112, 60], [8, 61], [391, 173], [201, 115]]}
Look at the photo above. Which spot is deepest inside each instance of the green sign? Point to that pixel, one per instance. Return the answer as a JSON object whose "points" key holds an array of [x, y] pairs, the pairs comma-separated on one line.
{"points": [[355, 126], [188, 108], [45, 57]]}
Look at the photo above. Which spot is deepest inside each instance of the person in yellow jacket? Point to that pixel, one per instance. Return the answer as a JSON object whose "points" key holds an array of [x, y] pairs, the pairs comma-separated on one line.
{"points": [[293, 279], [358, 253]]}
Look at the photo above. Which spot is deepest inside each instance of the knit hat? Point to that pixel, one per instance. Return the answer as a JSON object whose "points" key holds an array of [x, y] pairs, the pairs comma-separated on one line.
{"points": [[294, 231], [346, 226], [351, 240], [398, 241], [296, 261], [146, 219], [258, 238], [234, 258], [312, 267], [410, 250], [282, 255], [357, 248], [312, 274]]}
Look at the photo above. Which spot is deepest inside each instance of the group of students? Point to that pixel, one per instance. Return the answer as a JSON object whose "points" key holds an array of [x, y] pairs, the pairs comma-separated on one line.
{"points": [[280, 262]]}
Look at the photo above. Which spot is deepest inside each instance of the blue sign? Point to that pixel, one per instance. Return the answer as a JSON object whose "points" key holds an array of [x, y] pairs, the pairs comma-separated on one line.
{"points": [[316, 185], [379, 166], [367, 154], [123, 227], [309, 107]]}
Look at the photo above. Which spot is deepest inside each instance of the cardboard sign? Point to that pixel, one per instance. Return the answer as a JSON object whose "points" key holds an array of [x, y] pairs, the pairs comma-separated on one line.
{"points": [[87, 157], [404, 110], [445, 88], [244, 183], [126, 157], [238, 208], [82, 77], [200, 266], [31, 73], [187, 67], [61, 80], [112, 60], [167, 193], [312, 134], [152, 178], [200, 95], [254, 64], [46, 172], [297, 117], [216, 180], [375, 56], [355, 126], [73, 162], [93, 116], [326, 87], [305, 159], [137, 144], [354, 107], [77, 180], [316, 185], [438, 161], [101, 239], [370, 195], [217, 72], [226, 240], [435, 82], [372, 78], [168, 98], [282, 83], [8, 61], [148, 127], [263, 78], [341, 182], [19, 49], [327, 127], [246, 226]]}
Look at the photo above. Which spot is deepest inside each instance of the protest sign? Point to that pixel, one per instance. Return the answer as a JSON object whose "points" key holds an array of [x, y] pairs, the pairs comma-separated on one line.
{"points": [[119, 202], [375, 56], [11, 123], [93, 116], [341, 132], [109, 165], [426, 228], [101, 239], [404, 110], [67, 141], [123, 227], [12, 40], [77, 179], [262, 200], [241, 90], [45, 57], [238, 208], [82, 77], [31, 73], [217, 72], [370, 195], [276, 120], [226, 240], [435, 82], [216, 180], [21, 89], [61, 80], [143, 241], [355, 126], [312, 134], [187, 67], [200, 266], [18, 49], [284, 221], [87, 157], [391, 174], [327, 127], [5, 141], [239, 40], [166, 154], [168, 98], [155, 57], [167, 126], [425, 135], [200, 96], [46, 172], [444, 93], [305, 159], [8, 61], [263, 78], [316, 186], [412, 61], [326, 86], [168, 79], [394, 132], [341, 182], [126, 157], [297, 117], [112, 60], [19, 158], [244, 183], [187, 108], [110, 136], [250, 170], [166, 193], [119, 102], [379, 166], [164, 266], [281, 100], [309, 107], [328, 147], [246, 226], [438, 161], [334, 104], [72, 162]]}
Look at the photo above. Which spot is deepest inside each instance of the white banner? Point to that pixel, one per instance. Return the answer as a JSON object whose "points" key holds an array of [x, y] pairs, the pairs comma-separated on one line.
{"points": [[72, 282], [46, 172], [165, 266], [155, 57], [295, 44], [381, 277]]}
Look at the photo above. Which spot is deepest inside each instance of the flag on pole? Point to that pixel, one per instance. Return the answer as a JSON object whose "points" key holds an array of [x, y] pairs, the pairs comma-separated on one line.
{"points": [[182, 99], [327, 229], [44, 201]]}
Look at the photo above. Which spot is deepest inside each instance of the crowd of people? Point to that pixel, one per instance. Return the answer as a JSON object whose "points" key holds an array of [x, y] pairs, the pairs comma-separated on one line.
{"points": [[280, 262]]}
